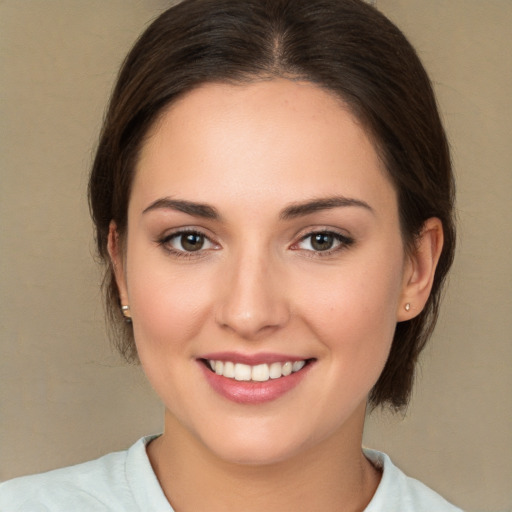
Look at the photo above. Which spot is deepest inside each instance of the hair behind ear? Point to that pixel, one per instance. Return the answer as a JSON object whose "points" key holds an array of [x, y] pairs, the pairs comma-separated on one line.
{"points": [[415, 324]]}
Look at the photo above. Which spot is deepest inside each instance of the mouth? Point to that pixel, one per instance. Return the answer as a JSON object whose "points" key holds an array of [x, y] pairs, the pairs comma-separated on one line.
{"points": [[254, 378], [255, 373]]}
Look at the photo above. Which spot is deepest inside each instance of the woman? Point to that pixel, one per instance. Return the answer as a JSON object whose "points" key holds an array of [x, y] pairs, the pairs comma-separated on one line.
{"points": [[273, 196]]}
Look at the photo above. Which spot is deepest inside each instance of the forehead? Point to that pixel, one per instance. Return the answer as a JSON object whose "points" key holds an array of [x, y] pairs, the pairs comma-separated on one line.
{"points": [[242, 141]]}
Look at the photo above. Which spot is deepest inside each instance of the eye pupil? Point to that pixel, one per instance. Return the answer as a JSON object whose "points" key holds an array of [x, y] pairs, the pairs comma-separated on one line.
{"points": [[322, 241], [192, 241]]}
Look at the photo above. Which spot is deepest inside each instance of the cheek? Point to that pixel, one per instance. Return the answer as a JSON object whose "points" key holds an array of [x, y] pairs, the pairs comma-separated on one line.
{"points": [[354, 312], [168, 311], [354, 325], [168, 305]]}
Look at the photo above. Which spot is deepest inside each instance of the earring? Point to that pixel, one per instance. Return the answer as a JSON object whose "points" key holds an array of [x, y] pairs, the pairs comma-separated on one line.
{"points": [[126, 312], [407, 306]]}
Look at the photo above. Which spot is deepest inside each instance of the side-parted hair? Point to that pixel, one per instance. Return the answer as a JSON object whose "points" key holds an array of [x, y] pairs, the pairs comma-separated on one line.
{"points": [[346, 47]]}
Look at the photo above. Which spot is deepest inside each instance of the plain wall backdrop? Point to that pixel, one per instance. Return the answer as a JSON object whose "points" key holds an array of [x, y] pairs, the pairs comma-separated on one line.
{"points": [[65, 397]]}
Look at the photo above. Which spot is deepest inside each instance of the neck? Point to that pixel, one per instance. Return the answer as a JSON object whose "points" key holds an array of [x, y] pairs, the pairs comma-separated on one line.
{"points": [[333, 476]]}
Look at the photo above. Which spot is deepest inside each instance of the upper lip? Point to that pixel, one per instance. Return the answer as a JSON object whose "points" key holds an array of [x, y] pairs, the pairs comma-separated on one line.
{"points": [[253, 359]]}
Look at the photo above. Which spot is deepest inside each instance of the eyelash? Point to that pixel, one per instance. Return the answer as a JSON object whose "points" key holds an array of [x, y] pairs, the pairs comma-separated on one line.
{"points": [[344, 242]]}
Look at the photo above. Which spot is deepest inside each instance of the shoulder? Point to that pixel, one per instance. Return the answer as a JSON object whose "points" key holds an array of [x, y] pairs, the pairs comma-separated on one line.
{"points": [[401, 493], [99, 485]]}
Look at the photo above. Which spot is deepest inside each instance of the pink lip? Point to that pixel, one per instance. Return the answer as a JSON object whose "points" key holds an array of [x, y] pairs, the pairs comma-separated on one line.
{"points": [[244, 392]]}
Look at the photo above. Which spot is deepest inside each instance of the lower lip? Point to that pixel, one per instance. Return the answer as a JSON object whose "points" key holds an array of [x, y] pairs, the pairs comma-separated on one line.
{"points": [[250, 392]]}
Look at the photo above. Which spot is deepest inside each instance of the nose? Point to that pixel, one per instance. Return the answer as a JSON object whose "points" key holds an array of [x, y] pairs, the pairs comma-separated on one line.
{"points": [[253, 302]]}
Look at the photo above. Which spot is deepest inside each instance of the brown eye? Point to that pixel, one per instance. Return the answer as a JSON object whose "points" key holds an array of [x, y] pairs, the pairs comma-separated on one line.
{"points": [[186, 243], [191, 241], [322, 241]]}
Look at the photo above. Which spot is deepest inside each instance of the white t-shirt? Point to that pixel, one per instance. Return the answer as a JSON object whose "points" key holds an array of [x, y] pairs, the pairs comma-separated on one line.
{"points": [[125, 481]]}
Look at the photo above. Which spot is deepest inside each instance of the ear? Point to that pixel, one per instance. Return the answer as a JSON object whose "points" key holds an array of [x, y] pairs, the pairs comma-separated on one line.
{"points": [[420, 269], [115, 251]]}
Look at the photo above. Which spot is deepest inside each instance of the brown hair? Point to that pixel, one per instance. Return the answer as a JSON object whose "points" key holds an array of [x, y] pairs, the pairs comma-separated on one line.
{"points": [[344, 46]]}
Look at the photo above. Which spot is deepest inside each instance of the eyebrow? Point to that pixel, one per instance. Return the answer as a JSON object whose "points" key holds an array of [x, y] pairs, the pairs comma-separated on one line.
{"points": [[191, 208], [301, 209], [293, 211]]}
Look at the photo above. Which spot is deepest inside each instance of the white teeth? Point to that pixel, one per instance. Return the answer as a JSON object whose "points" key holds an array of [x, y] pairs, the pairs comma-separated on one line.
{"points": [[287, 368], [260, 373], [229, 370], [242, 371], [275, 370], [298, 365], [257, 373]]}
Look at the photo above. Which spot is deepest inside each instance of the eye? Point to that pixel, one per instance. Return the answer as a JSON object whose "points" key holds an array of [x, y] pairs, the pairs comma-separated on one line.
{"points": [[323, 241], [187, 242]]}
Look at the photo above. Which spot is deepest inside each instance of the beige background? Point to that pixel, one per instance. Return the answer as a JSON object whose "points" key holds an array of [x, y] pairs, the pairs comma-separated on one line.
{"points": [[65, 398]]}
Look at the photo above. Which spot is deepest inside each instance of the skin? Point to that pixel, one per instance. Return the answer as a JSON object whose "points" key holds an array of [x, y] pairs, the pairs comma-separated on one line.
{"points": [[251, 152]]}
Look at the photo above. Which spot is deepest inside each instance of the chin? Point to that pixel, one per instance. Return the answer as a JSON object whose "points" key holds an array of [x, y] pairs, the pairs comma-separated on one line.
{"points": [[258, 442], [260, 452]]}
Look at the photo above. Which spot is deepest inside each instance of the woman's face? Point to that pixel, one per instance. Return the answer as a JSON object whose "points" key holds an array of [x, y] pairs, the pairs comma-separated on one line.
{"points": [[263, 239]]}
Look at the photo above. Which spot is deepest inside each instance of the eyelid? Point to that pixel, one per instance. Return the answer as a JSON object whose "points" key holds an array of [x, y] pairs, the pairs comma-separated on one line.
{"points": [[313, 230]]}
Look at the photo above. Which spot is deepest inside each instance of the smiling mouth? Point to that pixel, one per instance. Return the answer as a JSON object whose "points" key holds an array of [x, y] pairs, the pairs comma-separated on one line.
{"points": [[255, 373]]}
